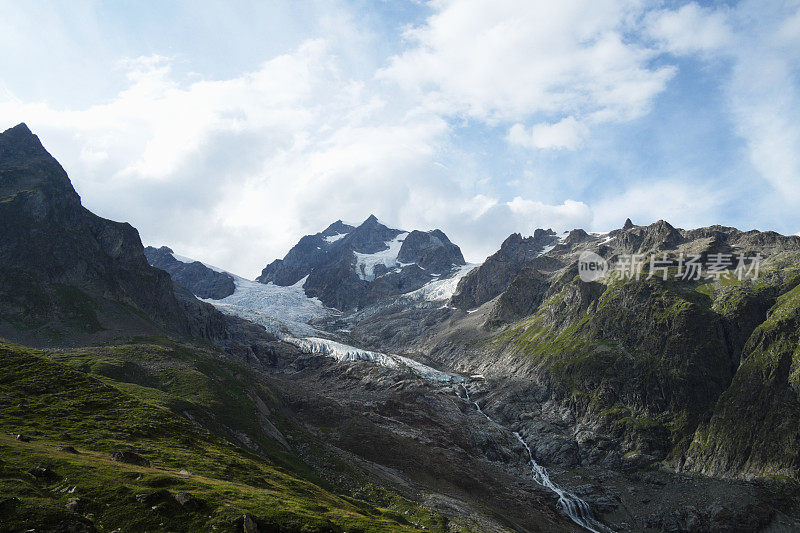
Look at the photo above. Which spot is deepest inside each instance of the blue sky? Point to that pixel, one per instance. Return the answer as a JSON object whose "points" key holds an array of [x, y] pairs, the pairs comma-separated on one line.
{"points": [[227, 130]]}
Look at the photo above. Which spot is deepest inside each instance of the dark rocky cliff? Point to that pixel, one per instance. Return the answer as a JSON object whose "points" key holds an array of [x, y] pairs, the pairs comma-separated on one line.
{"points": [[70, 277]]}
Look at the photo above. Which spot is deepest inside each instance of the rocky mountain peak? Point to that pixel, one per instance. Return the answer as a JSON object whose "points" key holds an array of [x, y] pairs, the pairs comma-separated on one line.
{"points": [[348, 267], [660, 235], [431, 250], [27, 168], [628, 224], [576, 236], [496, 273], [524, 248], [337, 228], [371, 236], [513, 240]]}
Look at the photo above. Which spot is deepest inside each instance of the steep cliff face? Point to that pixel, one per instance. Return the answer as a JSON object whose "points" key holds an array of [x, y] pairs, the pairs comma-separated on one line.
{"points": [[496, 273], [68, 275], [430, 250], [755, 426], [701, 373]]}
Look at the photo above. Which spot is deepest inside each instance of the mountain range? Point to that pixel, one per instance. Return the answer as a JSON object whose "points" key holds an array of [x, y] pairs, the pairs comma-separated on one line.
{"points": [[373, 380]]}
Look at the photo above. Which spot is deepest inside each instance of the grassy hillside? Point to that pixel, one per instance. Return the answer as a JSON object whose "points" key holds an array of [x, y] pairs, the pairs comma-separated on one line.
{"points": [[64, 410]]}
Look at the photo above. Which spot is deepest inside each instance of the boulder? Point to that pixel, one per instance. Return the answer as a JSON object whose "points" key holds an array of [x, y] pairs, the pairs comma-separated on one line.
{"points": [[186, 500], [130, 458], [67, 449]]}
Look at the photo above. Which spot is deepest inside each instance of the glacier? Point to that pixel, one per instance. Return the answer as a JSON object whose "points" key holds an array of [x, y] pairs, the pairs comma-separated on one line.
{"points": [[281, 310], [366, 263]]}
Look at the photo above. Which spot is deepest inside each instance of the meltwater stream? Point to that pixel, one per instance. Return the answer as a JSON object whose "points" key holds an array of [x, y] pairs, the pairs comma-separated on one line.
{"points": [[577, 509]]}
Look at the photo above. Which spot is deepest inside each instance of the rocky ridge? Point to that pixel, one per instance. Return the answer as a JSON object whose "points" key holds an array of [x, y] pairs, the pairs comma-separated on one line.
{"points": [[201, 280], [636, 368]]}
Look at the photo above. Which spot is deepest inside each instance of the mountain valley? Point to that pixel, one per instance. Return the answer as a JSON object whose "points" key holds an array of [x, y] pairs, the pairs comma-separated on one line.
{"points": [[373, 380]]}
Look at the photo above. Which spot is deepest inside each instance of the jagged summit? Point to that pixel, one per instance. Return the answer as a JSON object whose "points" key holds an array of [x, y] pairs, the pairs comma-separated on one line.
{"points": [[546, 253], [337, 228], [493, 276], [20, 132], [87, 275], [25, 166], [349, 267]]}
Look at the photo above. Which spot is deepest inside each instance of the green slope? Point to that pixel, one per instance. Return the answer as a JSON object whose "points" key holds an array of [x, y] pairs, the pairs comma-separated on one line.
{"points": [[59, 406]]}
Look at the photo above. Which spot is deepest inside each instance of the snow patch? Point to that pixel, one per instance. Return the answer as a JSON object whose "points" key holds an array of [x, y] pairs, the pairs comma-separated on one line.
{"points": [[547, 248], [334, 238], [441, 289], [366, 263]]}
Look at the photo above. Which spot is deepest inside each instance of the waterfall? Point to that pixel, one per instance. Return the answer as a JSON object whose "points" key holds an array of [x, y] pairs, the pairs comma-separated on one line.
{"points": [[574, 507]]}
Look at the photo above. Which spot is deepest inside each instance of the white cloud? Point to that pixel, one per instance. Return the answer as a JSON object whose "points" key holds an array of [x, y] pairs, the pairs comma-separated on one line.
{"points": [[764, 94], [690, 29], [566, 134], [505, 61], [233, 171], [683, 204], [761, 42], [569, 215]]}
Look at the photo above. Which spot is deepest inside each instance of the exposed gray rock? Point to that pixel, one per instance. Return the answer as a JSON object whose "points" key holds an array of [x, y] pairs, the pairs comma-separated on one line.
{"points": [[130, 458], [249, 524], [431, 251], [197, 277], [76, 505], [329, 259], [496, 273], [187, 500]]}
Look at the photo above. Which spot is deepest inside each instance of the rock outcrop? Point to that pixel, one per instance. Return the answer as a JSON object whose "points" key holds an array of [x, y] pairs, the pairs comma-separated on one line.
{"points": [[496, 273], [195, 276]]}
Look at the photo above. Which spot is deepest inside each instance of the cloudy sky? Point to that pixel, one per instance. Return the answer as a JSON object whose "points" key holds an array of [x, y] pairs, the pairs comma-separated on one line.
{"points": [[227, 130]]}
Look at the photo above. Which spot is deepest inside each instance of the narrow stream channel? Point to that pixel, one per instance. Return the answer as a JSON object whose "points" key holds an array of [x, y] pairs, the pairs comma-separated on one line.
{"points": [[572, 505]]}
